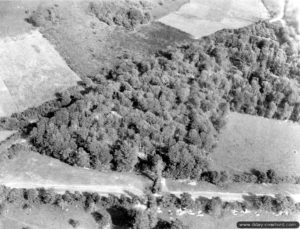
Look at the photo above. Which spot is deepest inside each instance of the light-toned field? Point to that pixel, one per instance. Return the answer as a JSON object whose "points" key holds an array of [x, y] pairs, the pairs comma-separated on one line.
{"points": [[12, 17], [161, 8], [252, 142], [44, 217], [275, 7], [201, 18], [32, 170], [4, 134], [31, 72], [7, 103]]}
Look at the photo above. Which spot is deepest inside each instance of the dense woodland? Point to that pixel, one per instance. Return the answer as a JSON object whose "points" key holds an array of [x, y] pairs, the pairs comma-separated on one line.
{"points": [[163, 114]]}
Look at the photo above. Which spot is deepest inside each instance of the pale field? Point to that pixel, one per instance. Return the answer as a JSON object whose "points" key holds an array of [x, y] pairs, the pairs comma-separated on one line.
{"points": [[45, 217], [12, 17], [31, 72], [201, 18], [32, 170], [7, 103], [275, 7], [252, 142], [160, 8], [4, 134]]}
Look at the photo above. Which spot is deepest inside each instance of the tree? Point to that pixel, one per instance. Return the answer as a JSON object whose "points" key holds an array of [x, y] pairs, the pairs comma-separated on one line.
{"points": [[102, 218], [30, 195], [186, 201], [141, 220], [74, 223], [124, 157], [215, 206], [272, 176], [176, 224], [47, 196]]}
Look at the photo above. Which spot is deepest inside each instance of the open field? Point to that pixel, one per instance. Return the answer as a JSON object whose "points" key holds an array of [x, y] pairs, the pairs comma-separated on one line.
{"points": [[275, 8], [45, 216], [4, 134], [12, 15], [161, 8], [32, 170], [7, 103], [31, 72], [250, 142], [201, 18]]}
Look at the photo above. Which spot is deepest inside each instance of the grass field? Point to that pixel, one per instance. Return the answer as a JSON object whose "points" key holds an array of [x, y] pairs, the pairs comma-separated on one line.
{"points": [[161, 8], [32, 170], [44, 217], [32, 71], [249, 142], [201, 18], [7, 103], [4, 134], [12, 15]]}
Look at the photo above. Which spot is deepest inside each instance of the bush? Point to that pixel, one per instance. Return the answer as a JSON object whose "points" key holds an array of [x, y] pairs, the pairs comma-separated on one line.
{"points": [[126, 15]]}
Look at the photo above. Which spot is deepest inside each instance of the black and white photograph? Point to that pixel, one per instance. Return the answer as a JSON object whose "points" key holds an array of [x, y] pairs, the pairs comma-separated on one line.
{"points": [[149, 114]]}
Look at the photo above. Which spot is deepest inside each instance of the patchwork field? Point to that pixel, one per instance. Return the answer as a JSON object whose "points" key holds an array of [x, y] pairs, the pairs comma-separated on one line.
{"points": [[249, 142], [99, 45], [31, 72], [32, 170], [201, 18]]}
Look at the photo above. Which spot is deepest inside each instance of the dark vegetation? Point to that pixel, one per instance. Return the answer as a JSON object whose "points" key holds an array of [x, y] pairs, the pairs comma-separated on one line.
{"points": [[168, 109], [216, 207], [74, 223], [111, 210], [127, 15], [122, 211], [253, 176], [45, 16]]}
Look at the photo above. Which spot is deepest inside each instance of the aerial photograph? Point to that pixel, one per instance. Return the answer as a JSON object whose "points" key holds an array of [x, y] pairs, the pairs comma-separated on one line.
{"points": [[149, 114]]}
